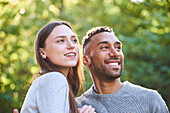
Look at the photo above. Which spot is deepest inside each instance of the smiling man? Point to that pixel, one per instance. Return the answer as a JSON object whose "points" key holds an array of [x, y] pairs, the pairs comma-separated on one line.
{"points": [[104, 57]]}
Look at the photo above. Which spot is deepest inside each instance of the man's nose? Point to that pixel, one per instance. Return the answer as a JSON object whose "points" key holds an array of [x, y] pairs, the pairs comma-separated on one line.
{"points": [[114, 53]]}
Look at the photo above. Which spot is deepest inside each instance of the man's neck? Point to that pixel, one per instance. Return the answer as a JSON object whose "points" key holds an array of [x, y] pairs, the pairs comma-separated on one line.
{"points": [[103, 87]]}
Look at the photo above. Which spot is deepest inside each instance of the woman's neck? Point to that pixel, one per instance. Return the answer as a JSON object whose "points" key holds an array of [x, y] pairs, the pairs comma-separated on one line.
{"points": [[64, 71]]}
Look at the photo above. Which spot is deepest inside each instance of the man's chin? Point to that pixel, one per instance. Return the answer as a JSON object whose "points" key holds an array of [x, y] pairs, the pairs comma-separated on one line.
{"points": [[113, 77]]}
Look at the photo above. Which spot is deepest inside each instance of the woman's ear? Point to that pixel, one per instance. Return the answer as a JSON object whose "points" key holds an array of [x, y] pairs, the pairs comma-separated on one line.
{"points": [[42, 52], [86, 60]]}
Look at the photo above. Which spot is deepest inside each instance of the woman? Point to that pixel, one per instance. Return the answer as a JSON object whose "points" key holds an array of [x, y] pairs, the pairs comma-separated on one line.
{"points": [[55, 88]]}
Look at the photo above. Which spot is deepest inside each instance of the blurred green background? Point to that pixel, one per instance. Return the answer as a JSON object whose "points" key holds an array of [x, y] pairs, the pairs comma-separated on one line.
{"points": [[143, 26]]}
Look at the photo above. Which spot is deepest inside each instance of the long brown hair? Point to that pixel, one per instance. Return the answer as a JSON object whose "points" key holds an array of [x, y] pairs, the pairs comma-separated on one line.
{"points": [[75, 76]]}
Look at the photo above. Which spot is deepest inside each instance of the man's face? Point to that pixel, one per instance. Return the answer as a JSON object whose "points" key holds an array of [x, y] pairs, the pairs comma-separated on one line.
{"points": [[105, 55]]}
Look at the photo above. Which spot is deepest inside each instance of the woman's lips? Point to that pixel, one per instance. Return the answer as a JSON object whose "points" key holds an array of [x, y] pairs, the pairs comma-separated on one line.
{"points": [[70, 54]]}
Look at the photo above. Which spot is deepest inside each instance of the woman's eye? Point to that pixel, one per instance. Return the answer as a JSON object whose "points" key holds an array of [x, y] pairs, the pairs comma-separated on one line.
{"points": [[74, 40], [59, 41]]}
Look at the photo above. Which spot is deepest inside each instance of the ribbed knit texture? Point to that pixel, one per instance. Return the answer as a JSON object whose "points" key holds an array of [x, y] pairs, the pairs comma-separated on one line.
{"points": [[49, 93], [129, 99]]}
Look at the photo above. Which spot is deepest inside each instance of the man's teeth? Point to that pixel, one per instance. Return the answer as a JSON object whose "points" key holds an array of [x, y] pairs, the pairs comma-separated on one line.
{"points": [[114, 64], [72, 54]]}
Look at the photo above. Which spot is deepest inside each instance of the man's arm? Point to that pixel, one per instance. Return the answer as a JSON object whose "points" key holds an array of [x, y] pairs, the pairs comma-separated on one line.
{"points": [[159, 104]]}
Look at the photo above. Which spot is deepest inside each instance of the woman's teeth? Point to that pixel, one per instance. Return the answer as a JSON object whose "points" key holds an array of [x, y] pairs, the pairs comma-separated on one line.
{"points": [[71, 54]]}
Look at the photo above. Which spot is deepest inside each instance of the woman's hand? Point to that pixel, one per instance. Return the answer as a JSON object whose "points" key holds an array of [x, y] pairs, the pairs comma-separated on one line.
{"points": [[86, 109], [15, 111]]}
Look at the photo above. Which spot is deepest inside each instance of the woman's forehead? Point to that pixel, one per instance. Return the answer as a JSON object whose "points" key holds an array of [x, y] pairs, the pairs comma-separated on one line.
{"points": [[62, 30]]}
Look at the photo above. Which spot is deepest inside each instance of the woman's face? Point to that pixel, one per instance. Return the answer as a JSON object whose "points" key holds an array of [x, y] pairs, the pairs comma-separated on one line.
{"points": [[61, 47]]}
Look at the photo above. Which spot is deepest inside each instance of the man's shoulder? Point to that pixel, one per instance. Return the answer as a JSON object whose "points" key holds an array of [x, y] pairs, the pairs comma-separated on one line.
{"points": [[138, 90], [148, 97], [139, 87]]}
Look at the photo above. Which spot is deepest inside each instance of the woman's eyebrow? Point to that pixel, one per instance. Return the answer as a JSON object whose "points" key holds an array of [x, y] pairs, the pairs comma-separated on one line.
{"points": [[73, 36], [62, 36]]}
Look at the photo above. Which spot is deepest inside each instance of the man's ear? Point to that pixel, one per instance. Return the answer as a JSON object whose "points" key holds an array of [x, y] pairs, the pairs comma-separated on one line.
{"points": [[86, 60], [42, 52]]}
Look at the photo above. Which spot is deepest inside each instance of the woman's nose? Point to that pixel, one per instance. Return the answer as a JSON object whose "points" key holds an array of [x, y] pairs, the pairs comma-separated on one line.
{"points": [[70, 45]]}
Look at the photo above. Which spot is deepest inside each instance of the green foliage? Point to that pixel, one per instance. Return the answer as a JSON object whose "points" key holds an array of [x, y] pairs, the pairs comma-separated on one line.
{"points": [[143, 28]]}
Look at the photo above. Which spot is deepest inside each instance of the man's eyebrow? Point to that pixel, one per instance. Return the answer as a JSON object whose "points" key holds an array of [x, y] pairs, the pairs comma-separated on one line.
{"points": [[103, 42], [117, 42]]}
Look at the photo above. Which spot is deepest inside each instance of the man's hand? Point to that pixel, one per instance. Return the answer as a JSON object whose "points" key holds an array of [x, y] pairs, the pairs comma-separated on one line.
{"points": [[86, 109], [15, 111]]}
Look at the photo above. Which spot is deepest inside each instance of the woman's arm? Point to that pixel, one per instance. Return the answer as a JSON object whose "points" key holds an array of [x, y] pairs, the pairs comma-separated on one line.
{"points": [[53, 94]]}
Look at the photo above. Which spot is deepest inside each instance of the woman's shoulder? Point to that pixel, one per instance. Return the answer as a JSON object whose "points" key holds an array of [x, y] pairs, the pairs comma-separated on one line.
{"points": [[53, 75], [52, 78]]}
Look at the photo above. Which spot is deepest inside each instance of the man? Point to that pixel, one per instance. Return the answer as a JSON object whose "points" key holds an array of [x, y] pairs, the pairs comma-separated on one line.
{"points": [[104, 57]]}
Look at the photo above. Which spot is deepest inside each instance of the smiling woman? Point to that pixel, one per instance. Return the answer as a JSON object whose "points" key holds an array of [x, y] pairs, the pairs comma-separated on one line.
{"points": [[59, 79], [59, 46]]}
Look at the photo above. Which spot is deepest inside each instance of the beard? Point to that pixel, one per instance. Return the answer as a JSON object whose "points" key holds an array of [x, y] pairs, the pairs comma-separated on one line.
{"points": [[106, 74]]}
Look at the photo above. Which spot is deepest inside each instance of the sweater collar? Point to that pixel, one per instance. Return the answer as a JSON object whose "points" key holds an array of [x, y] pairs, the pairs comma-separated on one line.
{"points": [[106, 96]]}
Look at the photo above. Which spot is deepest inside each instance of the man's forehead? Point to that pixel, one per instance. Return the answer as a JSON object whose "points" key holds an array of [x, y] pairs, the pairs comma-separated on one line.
{"points": [[103, 36]]}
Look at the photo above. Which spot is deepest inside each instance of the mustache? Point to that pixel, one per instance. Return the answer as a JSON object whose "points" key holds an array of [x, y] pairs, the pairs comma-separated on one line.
{"points": [[113, 59]]}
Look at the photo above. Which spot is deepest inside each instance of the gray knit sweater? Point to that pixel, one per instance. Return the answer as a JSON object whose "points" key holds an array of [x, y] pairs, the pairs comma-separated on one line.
{"points": [[48, 93], [129, 99]]}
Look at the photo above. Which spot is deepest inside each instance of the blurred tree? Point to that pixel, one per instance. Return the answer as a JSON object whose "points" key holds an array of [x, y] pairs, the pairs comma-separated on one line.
{"points": [[142, 26]]}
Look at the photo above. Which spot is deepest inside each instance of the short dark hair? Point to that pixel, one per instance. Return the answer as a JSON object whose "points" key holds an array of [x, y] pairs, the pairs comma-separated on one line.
{"points": [[94, 31]]}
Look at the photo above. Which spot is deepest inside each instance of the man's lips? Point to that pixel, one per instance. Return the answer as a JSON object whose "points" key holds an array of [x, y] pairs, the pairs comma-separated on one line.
{"points": [[70, 54], [112, 62]]}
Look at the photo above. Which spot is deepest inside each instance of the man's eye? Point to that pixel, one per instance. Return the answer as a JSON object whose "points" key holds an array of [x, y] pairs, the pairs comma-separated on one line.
{"points": [[104, 47], [117, 47]]}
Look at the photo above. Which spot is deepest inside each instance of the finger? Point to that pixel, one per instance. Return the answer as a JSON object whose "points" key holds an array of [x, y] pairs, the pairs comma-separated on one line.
{"points": [[87, 109], [15, 111], [82, 109], [91, 110]]}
